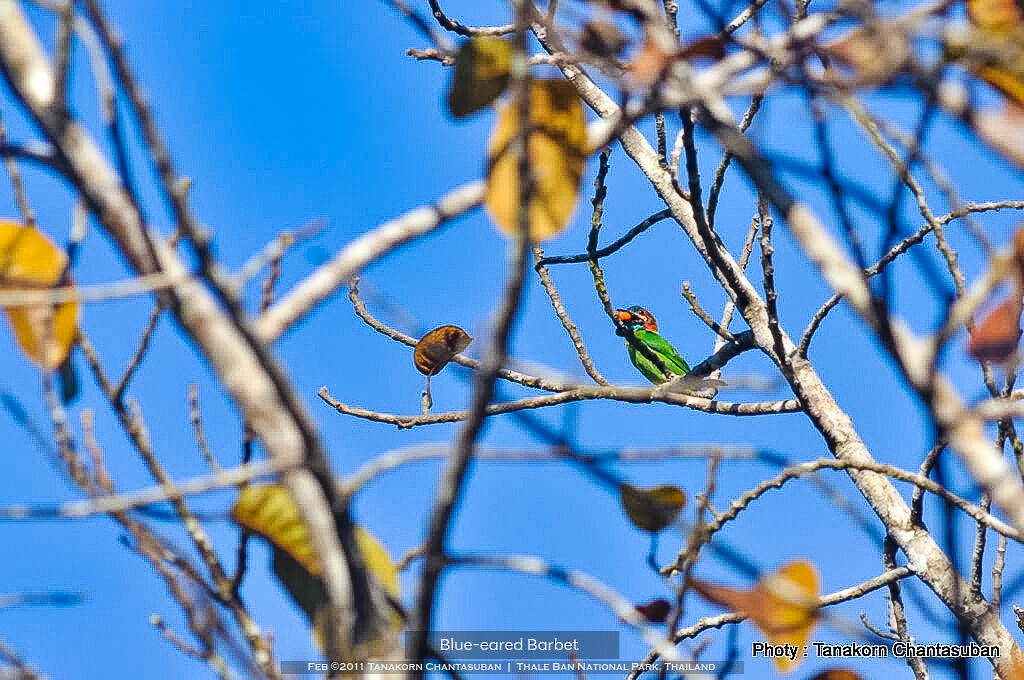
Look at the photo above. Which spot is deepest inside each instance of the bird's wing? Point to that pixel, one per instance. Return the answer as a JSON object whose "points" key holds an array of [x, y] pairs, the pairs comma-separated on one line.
{"points": [[666, 351]]}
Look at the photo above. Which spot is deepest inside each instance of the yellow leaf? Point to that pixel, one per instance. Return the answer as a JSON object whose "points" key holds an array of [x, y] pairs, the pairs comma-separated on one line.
{"points": [[556, 149], [378, 562], [651, 509], [28, 259], [995, 54], [783, 605], [269, 512], [480, 75], [787, 608], [998, 15], [1009, 83], [436, 348]]}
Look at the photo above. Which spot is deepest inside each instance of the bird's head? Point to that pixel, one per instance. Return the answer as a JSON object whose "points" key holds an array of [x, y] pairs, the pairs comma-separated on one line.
{"points": [[637, 318]]}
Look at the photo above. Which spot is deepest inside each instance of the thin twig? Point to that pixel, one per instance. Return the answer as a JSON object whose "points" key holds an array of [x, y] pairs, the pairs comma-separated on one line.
{"points": [[563, 316]]}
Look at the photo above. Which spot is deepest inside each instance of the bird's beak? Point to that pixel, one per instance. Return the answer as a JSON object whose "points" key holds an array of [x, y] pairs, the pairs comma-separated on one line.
{"points": [[623, 315]]}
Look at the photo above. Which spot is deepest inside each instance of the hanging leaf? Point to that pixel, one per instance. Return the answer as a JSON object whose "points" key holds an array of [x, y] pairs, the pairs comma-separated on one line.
{"points": [[783, 605], [651, 509], [28, 259], [655, 611], [69, 384], [378, 562], [1010, 84], [269, 512], [708, 46], [436, 348], [1018, 253], [871, 57], [837, 674], [996, 337], [603, 39], [556, 149], [994, 54], [650, 62], [996, 15], [480, 75], [1001, 128]]}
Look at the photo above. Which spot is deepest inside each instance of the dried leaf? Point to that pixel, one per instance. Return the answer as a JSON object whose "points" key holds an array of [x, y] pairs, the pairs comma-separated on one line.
{"points": [[1009, 83], [649, 63], [480, 76], [634, 8], [651, 509], [837, 674], [603, 39], [436, 348], [556, 149], [28, 259], [1003, 130], [708, 46], [996, 337], [655, 611], [872, 56], [994, 55], [1015, 664], [1018, 251], [783, 605], [997, 15]]}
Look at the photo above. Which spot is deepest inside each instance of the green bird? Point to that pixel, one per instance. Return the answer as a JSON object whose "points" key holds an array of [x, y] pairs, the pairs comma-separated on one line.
{"points": [[645, 329]]}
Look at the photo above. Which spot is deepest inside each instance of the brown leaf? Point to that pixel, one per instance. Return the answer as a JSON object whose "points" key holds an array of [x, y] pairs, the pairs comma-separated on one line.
{"points": [[436, 348], [655, 611], [872, 56], [1018, 251], [649, 63], [837, 674], [603, 39], [709, 46], [783, 605], [651, 509], [996, 337], [731, 598]]}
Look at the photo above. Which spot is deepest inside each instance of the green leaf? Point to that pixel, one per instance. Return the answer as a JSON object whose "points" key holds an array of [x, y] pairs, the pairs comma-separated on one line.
{"points": [[481, 74], [651, 509]]}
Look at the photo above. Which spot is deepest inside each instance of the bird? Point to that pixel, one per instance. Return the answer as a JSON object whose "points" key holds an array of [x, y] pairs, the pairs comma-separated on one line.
{"points": [[645, 329]]}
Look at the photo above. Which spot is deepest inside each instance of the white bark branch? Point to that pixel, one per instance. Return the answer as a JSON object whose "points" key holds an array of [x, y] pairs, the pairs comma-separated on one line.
{"points": [[925, 557], [288, 440]]}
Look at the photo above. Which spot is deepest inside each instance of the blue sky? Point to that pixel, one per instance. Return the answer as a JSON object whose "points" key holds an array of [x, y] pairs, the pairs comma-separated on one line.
{"points": [[283, 113]]}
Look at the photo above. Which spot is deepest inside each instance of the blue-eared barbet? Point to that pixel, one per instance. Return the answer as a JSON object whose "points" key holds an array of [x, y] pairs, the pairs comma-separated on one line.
{"points": [[645, 329]]}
